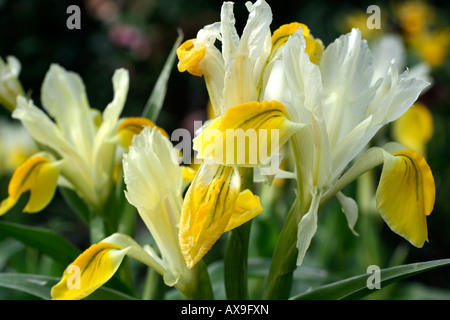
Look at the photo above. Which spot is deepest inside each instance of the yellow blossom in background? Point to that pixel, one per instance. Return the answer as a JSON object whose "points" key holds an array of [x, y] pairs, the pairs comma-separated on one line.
{"points": [[415, 128], [433, 46], [414, 17]]}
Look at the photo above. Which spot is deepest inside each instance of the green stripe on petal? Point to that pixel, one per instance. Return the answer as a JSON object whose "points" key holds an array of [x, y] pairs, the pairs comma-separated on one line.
{"points": [[406, 195]]}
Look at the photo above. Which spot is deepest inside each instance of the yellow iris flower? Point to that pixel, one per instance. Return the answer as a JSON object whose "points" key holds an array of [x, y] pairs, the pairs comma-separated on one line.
{"points": [[83, 141], [341, 103], [248, 131], [154, 181]]}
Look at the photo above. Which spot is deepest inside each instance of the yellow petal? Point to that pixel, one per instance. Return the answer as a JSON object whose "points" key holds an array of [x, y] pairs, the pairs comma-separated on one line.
{"points": [[206, 211], [406, 195], [131, 126], [414, 128], [39, 175], [89, 271], [247, 207], [190, 55], [314, 47], [247, 135]]}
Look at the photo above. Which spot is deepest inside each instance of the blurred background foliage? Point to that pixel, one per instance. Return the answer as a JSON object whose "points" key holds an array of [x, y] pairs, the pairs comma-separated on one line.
{"points": [[138, 35]]}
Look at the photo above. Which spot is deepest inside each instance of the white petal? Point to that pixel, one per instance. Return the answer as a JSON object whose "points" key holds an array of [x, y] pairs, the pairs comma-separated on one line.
{"points": [[350, 209], [39, 125], [103, 150], [347, 72], [244, 72], [151, 169], [386, 49], [230, 38], [64, 97], [307, 228], [303, 77]]}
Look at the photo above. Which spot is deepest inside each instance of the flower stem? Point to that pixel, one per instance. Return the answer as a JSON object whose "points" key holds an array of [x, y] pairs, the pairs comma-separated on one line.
{"points": [[235, 262], [198, 287], [236, 251], [154, 287], [279, 281]]}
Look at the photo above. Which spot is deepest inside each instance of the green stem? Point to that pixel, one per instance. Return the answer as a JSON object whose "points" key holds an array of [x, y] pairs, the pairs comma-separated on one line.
{"points": [[235, 262], [198, 286], [279, 281], [284, 259], [154, 287], [236, 251]]}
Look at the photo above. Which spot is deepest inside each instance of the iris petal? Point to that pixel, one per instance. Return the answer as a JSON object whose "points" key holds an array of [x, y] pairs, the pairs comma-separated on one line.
{"points": [[247, 207], [207, 208], [247, 135], [39, 175], [82, 277], [406, 195]]}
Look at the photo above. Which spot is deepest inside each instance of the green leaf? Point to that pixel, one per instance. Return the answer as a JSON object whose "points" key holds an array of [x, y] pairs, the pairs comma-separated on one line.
{"points": [[75, 203], [43, 240], [156, 99], [357, 287], [35, 285], [40, 286]]}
